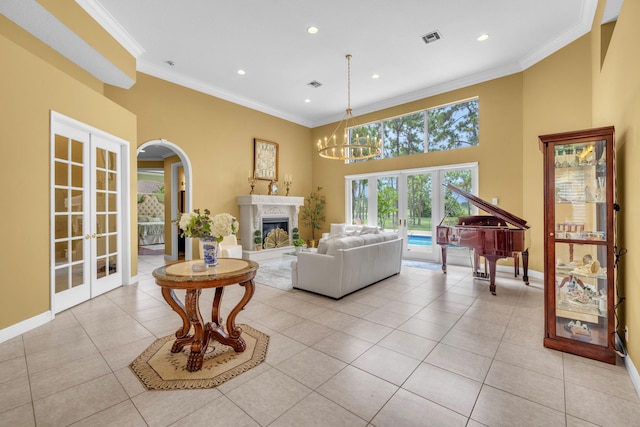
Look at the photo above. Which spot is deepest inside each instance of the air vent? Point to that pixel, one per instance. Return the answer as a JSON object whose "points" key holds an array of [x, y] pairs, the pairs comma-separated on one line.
{"points": [[314, 83], [431, 37]]}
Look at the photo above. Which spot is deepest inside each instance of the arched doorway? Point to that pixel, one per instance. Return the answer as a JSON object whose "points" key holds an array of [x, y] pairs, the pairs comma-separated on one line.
{"points": [[159, 150]]}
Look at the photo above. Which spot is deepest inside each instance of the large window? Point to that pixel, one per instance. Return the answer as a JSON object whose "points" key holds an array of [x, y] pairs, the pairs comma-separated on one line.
{"points": [[447, 127]]}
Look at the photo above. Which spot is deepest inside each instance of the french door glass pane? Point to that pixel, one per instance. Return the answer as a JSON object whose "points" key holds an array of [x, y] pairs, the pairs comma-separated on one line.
{"points": [[418, 212], [68, 227], [76, 176], [106, 212], [61, 173], [388, 203], [360, 201], [61, 147], [454, 204], [76, 151]]}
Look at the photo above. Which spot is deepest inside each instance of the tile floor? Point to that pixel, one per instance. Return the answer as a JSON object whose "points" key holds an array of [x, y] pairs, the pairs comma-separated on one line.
{"points": [[418, 349]]}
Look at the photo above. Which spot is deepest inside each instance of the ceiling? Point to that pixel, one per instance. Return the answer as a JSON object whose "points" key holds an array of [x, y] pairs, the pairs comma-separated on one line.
{"points": [[208, 41]]}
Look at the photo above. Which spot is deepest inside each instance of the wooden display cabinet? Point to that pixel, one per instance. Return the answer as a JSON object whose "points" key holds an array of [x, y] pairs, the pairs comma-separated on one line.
{"points": [[579, 202]]}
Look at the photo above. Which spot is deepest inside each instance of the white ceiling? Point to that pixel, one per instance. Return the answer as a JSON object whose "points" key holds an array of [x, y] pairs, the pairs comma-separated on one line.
{"points": [[209, 40]]}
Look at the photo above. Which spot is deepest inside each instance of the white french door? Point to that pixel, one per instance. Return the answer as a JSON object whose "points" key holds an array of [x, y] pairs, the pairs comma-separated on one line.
{"points": [[410, 202], [86, 213], [418, 208]]}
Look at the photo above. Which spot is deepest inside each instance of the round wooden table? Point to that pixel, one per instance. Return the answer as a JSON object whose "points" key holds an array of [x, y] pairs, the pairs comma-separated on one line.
{"points": [[181, 276]]}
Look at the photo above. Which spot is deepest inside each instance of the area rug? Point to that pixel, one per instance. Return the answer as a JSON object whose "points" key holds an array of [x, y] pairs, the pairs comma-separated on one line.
{"points": [[276, 274], [421, 264], [159, 369], [151, 249]]}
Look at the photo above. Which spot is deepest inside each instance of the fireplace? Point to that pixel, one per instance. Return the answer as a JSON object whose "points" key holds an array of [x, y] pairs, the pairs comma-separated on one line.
{"points": [[269, 224], [266, 213]]}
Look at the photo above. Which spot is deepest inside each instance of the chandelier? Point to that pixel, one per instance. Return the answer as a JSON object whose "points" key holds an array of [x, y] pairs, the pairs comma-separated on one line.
{"points": [[358, 147]]}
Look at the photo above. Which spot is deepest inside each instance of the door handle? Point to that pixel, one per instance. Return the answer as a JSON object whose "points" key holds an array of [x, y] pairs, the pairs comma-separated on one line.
{"points": [[86, 236], [93, 235]]}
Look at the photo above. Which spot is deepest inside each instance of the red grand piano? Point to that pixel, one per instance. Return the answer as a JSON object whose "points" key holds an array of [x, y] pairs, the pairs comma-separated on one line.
{"points": [[488, 235]]}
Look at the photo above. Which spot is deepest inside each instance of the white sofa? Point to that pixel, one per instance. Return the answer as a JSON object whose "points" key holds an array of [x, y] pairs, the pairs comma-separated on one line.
{"points": [[347, 261]]}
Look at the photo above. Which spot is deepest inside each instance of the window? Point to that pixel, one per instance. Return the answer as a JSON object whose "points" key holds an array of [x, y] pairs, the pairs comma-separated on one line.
{"points": [[447, 127]]}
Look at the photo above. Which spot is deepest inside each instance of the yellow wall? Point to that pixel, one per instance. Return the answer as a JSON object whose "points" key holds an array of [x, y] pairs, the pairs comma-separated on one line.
{"points": [[556, 98], [217, 136], [38, 48], [30, 88], [616, 101]]}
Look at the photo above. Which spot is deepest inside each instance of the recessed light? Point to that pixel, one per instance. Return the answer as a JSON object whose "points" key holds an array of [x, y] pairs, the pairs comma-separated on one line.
{"points": [[312, 30], [241, 72], [375, 76], [307, 100], [483, 37]]}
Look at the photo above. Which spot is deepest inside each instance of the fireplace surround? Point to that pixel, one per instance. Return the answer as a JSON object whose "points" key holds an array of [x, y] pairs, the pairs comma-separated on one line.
{"points": [[256, 209]]}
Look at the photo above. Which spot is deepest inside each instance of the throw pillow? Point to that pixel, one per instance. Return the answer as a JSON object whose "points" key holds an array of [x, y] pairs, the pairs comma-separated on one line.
{"points": [[324, 243], [369, 229], [336, 229]]}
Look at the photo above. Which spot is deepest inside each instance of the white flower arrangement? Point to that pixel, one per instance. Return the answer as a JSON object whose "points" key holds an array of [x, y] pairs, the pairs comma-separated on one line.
{"points": [[224, 224], [195, 224]]}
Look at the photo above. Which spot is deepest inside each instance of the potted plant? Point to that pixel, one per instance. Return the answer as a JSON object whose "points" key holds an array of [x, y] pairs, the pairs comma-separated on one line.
{"points": [[299, 244], [297, 241], [257, 239], [313, 214], [295, 234]]}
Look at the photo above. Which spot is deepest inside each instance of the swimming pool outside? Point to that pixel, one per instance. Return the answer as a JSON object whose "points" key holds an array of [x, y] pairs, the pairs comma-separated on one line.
{"points": [[419, 240]]}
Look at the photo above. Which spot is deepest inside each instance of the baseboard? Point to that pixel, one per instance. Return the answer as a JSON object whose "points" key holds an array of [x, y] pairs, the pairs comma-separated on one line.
{"points": [[633, 373], [25, 326]]}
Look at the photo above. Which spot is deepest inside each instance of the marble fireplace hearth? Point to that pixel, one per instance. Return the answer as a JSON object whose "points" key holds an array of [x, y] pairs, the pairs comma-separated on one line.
{"points": [[254, 209]]}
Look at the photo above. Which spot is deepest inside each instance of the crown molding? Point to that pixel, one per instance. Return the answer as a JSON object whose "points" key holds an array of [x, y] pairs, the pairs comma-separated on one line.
{"points": [[110, 25]]}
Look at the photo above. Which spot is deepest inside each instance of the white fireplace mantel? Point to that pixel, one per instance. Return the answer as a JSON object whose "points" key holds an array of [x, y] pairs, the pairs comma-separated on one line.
{"points": [[254, 207]]}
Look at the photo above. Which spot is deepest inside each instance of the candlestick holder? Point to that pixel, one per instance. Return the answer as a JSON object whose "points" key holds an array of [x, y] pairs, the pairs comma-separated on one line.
{"points": [[252, 183], [287, 184]]}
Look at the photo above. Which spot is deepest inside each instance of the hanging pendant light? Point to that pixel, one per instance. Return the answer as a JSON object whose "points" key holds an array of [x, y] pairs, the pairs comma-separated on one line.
{"points": [[345, 148]]}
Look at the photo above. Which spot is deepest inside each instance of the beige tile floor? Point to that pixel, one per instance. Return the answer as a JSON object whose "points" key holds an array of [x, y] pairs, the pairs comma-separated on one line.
{"points": [[418, 349]]}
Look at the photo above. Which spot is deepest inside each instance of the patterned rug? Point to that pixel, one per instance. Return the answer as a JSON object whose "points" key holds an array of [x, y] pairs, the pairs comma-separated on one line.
{"points": [[159, 369]]}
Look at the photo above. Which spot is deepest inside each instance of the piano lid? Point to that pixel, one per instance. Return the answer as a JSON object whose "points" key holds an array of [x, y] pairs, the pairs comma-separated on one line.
{"points": [[488, 207]]}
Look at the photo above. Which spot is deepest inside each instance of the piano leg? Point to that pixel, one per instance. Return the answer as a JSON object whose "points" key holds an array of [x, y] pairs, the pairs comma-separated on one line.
{"points": [[516, 264], [525, 265], [476, 266], [444, 258], [492, 273]]}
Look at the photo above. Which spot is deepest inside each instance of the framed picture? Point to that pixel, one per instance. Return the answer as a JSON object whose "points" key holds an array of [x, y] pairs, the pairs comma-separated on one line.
{"points": [[265, 161]]}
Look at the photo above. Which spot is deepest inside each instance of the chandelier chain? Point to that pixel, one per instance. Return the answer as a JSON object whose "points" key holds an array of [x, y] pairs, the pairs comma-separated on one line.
{"points": [[348, 83], [350, 147]]}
